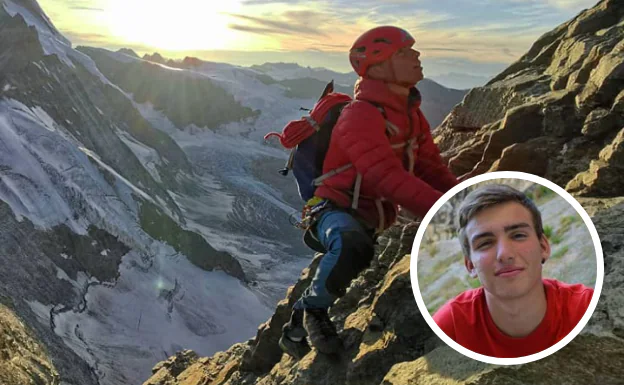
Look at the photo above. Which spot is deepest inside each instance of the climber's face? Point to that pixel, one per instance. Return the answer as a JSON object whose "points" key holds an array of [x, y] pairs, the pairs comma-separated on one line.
{"points": [[402, 68], [407, 66]]}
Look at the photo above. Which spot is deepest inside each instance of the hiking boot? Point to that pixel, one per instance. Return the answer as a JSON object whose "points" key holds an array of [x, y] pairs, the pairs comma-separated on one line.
{"points": [[293, 340], [321, 331]]}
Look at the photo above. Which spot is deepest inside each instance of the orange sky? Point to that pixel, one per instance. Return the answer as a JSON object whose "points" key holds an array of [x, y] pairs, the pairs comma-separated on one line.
{"points": [[481, 33]]}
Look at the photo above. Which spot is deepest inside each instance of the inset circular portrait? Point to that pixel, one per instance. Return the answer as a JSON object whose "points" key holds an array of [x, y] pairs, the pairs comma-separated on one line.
{"points": [[507, 268]]}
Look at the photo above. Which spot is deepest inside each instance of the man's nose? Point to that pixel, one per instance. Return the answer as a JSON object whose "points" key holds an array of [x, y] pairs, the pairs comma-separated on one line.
{"points": [[504, 250]]}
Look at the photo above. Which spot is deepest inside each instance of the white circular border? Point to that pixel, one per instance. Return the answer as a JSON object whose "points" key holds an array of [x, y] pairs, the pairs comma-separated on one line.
{"points": [[509, 175]]}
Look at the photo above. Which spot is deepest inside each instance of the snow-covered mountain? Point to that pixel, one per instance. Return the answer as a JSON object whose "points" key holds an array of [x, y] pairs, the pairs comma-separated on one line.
{"points": [[115, 247], [141, 209], [307, 83], [283, 71], [437, 99]]}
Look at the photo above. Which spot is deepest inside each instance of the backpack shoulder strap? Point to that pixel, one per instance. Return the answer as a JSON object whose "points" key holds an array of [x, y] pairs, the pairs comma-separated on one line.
{"points": [[391, 128]]}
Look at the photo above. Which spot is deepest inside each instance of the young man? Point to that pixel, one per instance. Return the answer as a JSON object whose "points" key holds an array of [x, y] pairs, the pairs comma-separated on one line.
{"points": [[516, 312], [395, 162]]}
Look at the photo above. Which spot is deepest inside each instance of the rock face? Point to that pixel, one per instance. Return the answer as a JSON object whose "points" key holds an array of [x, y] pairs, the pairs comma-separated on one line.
{"points": [[557, 113], [389, 343], [551, 112], [23, 361]]}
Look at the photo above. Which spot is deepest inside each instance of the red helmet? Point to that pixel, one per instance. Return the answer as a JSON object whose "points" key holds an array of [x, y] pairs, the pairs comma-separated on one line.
{"points": [[377, 45]]}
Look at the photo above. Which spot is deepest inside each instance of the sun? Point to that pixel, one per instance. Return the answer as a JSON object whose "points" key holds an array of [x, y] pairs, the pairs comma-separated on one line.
{"points": [[180, 25]]}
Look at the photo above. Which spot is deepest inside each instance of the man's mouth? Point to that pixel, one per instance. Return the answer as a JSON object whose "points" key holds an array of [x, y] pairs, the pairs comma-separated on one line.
{"points": [[507, 272]]}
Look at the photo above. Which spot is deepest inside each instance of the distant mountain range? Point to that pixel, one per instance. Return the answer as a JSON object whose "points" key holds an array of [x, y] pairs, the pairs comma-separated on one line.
{"points": [[461, 81], [307, 83]]}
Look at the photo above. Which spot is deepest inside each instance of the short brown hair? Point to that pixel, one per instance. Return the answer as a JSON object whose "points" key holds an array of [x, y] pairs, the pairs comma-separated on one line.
{"points": [[488, 196]]}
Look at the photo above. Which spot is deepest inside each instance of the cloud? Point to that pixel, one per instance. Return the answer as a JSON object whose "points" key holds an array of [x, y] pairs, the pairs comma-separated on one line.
{"points": [[334, 46], [258, 30], [91, 37], [573, 4], [442, 49], [290, 23], [81, 8], [267, 2], [481, 31]]}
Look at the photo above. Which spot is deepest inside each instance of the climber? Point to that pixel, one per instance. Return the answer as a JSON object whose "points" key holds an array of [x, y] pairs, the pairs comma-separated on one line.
{"points": [[386, 138], [516, 312]]}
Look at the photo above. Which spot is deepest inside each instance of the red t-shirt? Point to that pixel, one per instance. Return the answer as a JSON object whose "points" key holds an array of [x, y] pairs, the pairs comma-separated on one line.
{"points": [[467, 320]]}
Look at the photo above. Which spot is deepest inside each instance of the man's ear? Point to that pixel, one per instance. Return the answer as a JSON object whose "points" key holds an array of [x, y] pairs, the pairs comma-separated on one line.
{"points": [[377, 71], [470, 267], [545, 248]]}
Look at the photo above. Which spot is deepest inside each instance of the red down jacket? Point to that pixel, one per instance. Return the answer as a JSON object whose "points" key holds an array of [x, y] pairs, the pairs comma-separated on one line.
{"points": [[360, 138]]}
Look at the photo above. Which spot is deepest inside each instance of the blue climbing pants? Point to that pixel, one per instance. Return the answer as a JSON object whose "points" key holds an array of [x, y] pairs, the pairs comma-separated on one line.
{"points": [[349, 250]]}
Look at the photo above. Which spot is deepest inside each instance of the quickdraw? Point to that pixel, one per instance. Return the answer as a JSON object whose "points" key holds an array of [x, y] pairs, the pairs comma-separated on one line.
{"points": [[309, 212]]}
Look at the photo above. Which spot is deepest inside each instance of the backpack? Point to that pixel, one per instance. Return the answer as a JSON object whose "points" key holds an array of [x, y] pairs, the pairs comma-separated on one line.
{"points": [[309, 139]]}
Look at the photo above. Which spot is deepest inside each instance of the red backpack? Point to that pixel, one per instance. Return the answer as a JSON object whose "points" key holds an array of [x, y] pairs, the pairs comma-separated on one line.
{"points": [[309, 139]]}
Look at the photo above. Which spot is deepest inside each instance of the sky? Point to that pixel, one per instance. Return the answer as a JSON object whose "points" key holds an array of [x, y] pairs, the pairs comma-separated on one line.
{"points": [[473, 37]]}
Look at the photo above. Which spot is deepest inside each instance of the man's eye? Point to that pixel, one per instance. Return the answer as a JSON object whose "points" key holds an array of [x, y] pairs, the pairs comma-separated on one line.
{"points": [[519, 236], [483, 245]]}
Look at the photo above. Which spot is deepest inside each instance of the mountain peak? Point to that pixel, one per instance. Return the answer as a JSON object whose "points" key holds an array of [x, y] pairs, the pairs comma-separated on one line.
{"points": [[34, 15], [129, 52], [190, 61], [155, 57]]}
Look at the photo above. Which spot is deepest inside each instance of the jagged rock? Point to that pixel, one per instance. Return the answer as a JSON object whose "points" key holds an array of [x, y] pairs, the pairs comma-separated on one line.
{"points": [[190, 62], [390, 241], [617, 109], [264, 351], [155, 57], [520, 124], [23, 361], [607, 214], [605, 81], [408, 234], [561, 118], [16, 35], [129, 52], [187, 368], [572, 158], [585, 360], [604, 176], [481, 106], [567, 73], [531, 156], [166, 371], [466, 158], [395, 330], [388, 342], [599, 122]]}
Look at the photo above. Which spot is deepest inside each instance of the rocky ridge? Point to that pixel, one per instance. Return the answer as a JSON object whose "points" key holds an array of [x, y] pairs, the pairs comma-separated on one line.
{"points": [[24, 361]]}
